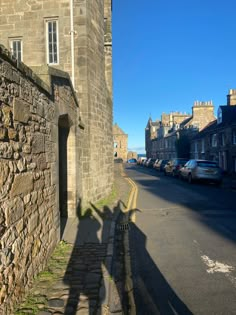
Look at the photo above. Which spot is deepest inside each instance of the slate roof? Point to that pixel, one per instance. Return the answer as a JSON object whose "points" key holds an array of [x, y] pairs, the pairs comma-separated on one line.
{"points": [[228, 115], [228, 119]]}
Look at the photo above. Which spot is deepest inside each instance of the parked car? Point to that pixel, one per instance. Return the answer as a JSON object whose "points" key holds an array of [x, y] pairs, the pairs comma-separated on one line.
{"points": [[160, 165], [174, 165], [155, 163], [150, 162], [201, 170], [132, 161], [144, 162], [140, 160]]}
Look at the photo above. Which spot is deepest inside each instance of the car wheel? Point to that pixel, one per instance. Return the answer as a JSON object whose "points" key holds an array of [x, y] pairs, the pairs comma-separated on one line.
{"points": [[190, 179]]}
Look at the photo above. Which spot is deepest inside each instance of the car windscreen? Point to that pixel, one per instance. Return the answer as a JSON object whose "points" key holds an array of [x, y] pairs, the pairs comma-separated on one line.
{"points": [[206, 164]]}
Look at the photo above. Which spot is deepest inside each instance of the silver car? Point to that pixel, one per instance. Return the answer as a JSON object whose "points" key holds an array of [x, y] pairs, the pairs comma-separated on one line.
{"points": [[201, 170]]}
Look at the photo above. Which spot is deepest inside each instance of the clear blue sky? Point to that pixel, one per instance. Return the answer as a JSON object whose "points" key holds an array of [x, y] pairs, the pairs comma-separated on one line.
{"points": [[166, 55]]}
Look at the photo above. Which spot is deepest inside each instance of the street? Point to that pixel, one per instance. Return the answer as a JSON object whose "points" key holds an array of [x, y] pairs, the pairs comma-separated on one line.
{"points": [[183, 246]]}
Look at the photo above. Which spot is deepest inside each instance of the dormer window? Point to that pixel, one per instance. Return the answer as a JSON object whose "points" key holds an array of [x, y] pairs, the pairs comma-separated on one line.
{"points": [[219, 116]]}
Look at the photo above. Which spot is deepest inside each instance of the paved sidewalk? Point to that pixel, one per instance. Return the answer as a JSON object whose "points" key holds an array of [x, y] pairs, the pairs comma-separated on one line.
{"points": [[85, 273]]}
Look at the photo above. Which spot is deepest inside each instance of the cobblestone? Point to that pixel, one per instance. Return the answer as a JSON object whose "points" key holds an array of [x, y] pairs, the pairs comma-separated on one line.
{"points": [[82, 279]]}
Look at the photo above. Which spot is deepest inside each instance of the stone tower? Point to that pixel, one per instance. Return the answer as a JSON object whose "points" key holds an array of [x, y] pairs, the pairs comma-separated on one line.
{"points": [[120, 140], [73, 36]]}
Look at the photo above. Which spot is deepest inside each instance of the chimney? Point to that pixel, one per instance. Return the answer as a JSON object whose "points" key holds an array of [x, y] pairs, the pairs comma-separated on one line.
{"points": [[231, 97]]}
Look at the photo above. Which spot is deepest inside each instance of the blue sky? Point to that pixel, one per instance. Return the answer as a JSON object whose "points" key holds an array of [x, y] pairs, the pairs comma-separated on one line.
{"points": [[168, 54]]}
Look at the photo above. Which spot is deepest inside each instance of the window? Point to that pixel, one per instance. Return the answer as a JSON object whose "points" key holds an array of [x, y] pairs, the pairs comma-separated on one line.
{"points": [[219, 116], [115, 144], [195, 150], [203, 146], [213, 140], [222, 139], [234, 137], [16, 48], [52, 42]]}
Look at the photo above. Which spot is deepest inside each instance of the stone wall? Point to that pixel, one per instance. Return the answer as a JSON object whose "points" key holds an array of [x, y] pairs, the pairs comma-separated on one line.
{"points": [[31, 114], [93, 72]]}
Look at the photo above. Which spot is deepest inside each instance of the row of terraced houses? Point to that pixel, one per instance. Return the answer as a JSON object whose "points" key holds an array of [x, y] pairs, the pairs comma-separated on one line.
{"points": [[199, 135]]}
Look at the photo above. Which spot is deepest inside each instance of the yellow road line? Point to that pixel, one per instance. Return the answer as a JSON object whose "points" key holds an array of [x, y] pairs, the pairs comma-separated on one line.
{"points": [[132, 201]]}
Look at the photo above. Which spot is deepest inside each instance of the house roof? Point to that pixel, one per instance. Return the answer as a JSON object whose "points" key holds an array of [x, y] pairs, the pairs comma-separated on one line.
{"points": [[152, 123], [228, 115], [186, 121], [210, 127], [117, 130]]}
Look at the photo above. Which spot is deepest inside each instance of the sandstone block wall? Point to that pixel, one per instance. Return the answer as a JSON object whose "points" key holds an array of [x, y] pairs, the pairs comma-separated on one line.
{"points": [[93, 72], [30, 113]]}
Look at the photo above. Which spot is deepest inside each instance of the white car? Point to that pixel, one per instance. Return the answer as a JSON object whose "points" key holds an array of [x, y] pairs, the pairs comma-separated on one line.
{"points": [[201, 170]]}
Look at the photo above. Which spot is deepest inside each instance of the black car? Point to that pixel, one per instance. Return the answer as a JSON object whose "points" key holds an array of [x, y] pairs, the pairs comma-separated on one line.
{"points": [[174, 165]]}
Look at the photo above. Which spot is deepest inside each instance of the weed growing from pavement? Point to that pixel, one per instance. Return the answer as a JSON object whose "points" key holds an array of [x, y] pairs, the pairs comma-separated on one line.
{"points": [[34, 302], [108, 201]]}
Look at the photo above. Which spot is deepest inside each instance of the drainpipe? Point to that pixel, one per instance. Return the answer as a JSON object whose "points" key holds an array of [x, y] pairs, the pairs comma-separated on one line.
{"points": [[72, 32]]}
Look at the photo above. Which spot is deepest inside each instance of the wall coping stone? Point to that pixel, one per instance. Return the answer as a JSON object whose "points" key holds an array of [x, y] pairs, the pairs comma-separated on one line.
{"points": [[33, 76]]}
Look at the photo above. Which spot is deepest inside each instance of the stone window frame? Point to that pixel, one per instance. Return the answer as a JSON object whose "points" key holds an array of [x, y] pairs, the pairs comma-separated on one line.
{"points": [[47, 23], [17, 53]]}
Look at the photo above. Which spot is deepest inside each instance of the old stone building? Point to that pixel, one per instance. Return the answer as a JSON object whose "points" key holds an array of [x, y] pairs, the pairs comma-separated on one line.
{"points": [[150, 135], [56, 140], [120, 140], [73, 36], [132, 155], [175, 130], [217, 141]]}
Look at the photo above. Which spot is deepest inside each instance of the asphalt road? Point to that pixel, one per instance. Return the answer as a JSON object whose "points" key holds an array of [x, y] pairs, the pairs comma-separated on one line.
{"points": [[183, 246]]}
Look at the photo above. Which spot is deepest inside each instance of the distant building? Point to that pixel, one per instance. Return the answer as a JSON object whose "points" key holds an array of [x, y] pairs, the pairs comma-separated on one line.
{"points": [[217, 141], [150, 135], [170, 137], [120, 140], [132, 155]]}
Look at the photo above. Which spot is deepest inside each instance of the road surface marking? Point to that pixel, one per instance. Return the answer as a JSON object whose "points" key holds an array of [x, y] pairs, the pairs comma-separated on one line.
{"points": [[216, 266], [132, 202]]}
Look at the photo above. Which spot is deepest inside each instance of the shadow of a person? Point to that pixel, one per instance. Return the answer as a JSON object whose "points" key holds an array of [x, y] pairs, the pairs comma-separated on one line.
{"points": [[152, 293], [84, 275], [114, 264]]}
